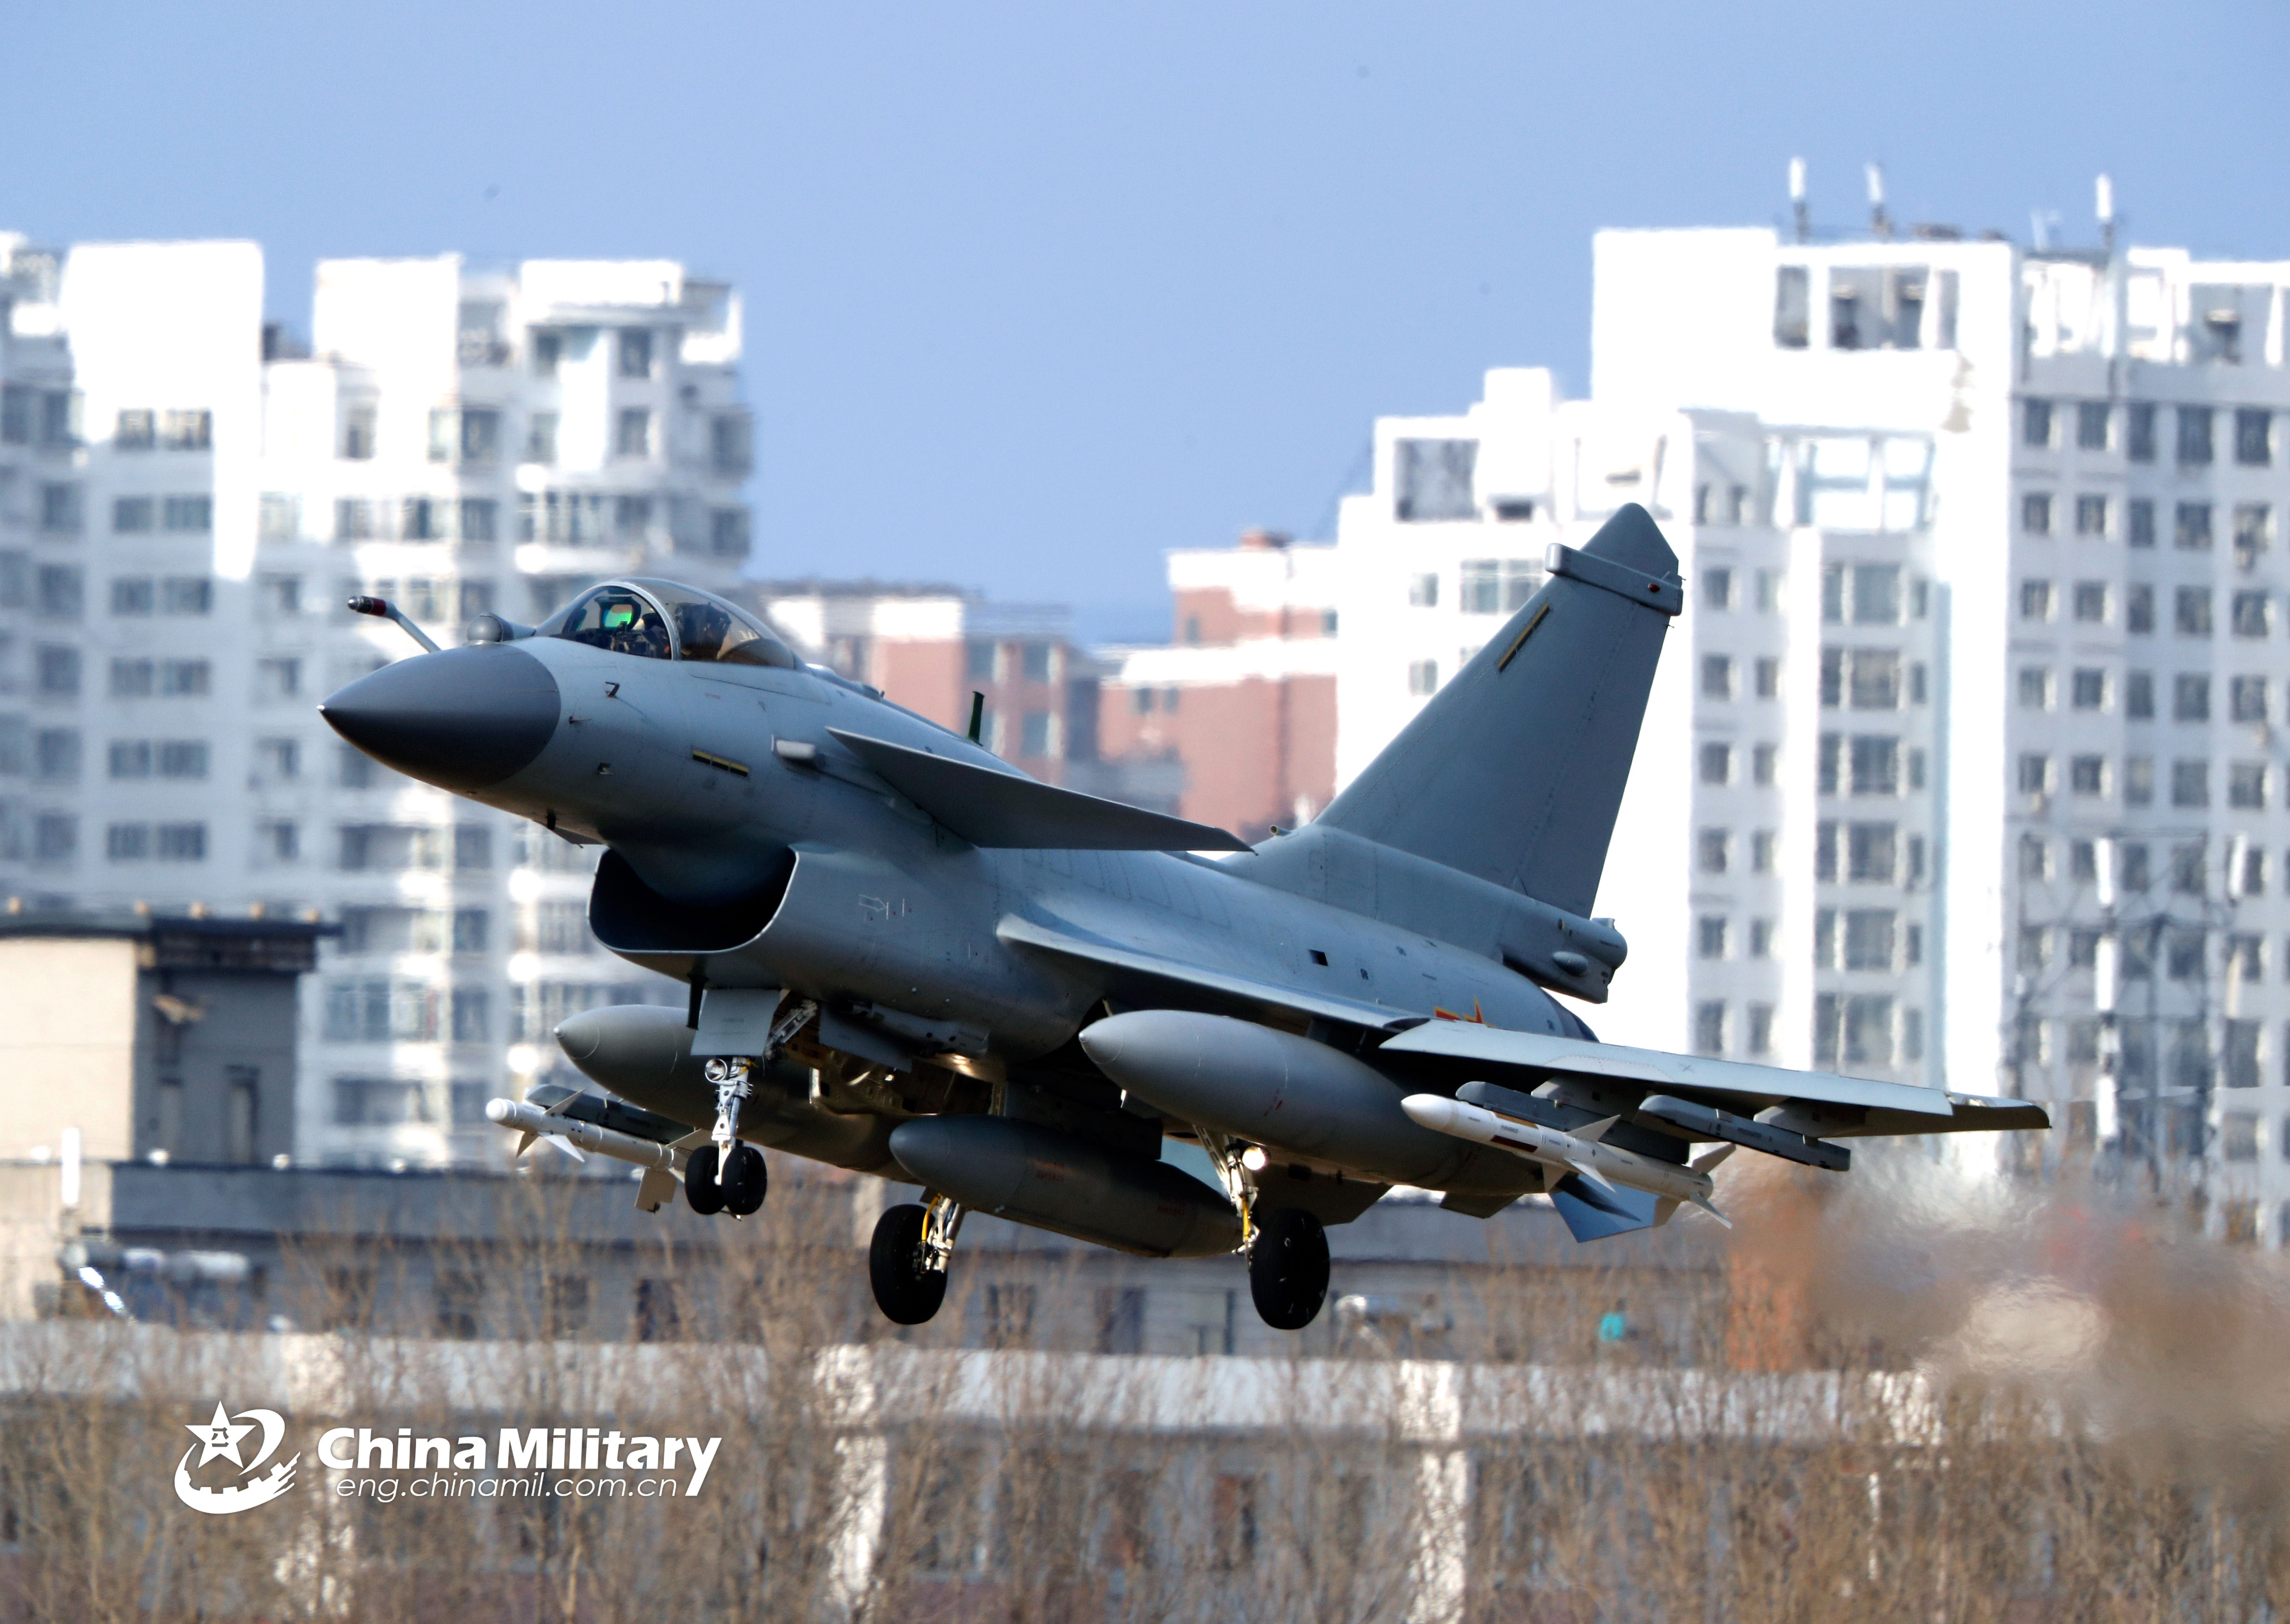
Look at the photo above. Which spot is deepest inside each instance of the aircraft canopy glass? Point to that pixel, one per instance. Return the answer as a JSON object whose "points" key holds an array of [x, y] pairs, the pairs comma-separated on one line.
{"points": [[659, 620]]}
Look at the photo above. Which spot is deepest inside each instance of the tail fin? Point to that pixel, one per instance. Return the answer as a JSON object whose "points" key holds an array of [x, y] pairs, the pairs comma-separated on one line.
{"points": [[1515, 771]]}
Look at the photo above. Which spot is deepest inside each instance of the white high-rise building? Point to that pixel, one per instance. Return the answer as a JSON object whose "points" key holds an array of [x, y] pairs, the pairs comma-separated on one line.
{"points": [[187, 501], [1963, 765]]}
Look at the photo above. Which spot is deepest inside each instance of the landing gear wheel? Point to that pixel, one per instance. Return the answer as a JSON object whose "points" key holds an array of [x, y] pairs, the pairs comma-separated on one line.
{"points": [[700, 1190], [906, 1292], [743, 1181], [1288, 1269]]}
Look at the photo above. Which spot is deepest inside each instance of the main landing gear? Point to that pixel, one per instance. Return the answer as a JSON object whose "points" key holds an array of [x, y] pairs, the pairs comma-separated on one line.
{"points": [[1288, 1268], [906, 1261]]}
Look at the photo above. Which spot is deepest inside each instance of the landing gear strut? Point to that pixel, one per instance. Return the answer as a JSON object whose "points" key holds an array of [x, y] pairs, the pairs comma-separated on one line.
{"points": [[724, 1175], [1288, 1268], [906, 1262]]}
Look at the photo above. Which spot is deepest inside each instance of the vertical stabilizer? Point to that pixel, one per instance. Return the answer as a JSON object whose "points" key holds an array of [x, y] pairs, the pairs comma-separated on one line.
{"points": [[1515, 770]]}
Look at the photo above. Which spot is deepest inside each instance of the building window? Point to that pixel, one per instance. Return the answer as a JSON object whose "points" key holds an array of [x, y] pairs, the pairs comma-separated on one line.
{"points": [[1712, 933], [2138, 780], [1876, 765], [731, 444], [2091, 602], [1711, 848], [2035, 688], [635, 352], [469, 435], [1716, 763], [1422, 677], [2035, 773], [127, 842], [2139, 696], [2139, 438], [57, 591], [1710, 1028], [1423, 591], [1869, 850], [1761, 1029], [187, 595], [2034, 600], [2087, 775], [1717, 588], [2091, 515], [136, 431], [182, 842], [2253, 529], [2191, 783], [2253, 437], [1769, 678], [2191, 698], [2035, 424], [2088, 690], [57, 670], [55, 755], [1434, 480], [357, 434], [1792, 307], [1763, 758], [2036, 513], [2251, 614], [187, 514], [60, 510], [2190, 527], [1761, 939], [540, 439], [133, 515], [632, 433], [2140, 529], [2195, 434], [1762, 846], [2091, 425], [1497, 586], [2246, 785], [187, 430], [2246, 698], [2191, 611], [1717, 676]]}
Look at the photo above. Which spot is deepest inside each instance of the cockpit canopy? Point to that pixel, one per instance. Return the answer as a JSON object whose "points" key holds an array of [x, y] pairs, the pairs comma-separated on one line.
{"points": [[659, 620]]}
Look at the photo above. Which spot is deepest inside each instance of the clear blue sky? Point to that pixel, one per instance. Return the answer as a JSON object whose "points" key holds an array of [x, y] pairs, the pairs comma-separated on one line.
{"points": [[1036, 292]]}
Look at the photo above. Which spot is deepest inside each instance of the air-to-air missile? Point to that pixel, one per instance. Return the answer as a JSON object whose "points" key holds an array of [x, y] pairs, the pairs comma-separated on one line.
{"points": [[1580, 1151]]}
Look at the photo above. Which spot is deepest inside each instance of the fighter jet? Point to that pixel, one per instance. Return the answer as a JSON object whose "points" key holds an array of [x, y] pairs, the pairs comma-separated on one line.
{"points": [[906, 959]]}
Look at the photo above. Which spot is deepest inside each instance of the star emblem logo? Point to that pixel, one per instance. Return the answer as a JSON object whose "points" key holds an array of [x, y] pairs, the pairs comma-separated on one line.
{"points": [[221, 1436]]}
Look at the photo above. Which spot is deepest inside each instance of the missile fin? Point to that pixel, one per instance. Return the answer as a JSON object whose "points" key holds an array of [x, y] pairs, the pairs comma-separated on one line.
{"points": [[1703, 1163], [1595, 1132], [1703, 1202], [657, 1187], [1591, 1173], [524, 1143], [568, 1146]]}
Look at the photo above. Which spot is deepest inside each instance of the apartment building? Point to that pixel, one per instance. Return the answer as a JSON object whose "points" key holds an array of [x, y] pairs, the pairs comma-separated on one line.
{"points": [[188, 499], [1236, 716], [1962, 766]]}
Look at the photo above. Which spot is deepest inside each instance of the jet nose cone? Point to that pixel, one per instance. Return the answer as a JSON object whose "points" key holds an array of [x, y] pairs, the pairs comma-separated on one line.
{"points": [[462, 719]]}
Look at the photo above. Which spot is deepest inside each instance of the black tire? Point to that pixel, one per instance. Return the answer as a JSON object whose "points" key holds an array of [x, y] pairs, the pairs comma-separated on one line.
{"points": [[906, 1292], [700, 1191], [1288, 1269], [744, 1181]]}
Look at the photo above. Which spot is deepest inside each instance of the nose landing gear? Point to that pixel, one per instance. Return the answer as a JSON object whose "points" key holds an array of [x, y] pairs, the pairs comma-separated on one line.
{"points": [[724, 1175]]}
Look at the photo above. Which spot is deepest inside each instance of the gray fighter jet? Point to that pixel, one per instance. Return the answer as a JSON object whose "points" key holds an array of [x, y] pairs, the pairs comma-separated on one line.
{"points": [[908, 959]]}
